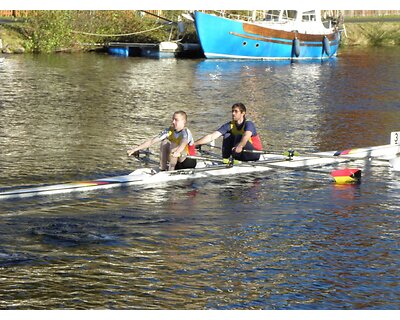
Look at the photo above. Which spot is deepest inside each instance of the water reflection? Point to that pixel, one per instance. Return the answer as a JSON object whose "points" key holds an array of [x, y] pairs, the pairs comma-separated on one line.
{"points": [[304, 103]]}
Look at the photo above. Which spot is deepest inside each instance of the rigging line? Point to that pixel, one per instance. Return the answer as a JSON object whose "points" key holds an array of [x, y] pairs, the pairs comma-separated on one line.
{"points": [[115, 35]]}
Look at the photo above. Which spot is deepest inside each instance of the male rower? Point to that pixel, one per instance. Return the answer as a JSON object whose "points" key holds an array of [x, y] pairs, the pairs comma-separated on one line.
{"points": [[176, 144], [239, 136]]}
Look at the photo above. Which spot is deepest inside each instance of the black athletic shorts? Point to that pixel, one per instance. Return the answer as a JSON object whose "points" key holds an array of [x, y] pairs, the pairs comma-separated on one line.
{"points": [[186, 164]]}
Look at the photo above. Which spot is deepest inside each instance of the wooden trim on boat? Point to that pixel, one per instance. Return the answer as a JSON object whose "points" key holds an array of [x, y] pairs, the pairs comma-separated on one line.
{"points": [[272, 33], [241, 35]]}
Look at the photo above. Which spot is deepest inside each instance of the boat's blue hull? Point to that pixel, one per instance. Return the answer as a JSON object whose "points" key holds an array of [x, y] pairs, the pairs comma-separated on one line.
{"points": [[226, 38]]}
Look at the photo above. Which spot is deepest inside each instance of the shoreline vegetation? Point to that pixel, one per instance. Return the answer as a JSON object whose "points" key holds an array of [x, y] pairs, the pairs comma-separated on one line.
{"points": [[79, 31]]}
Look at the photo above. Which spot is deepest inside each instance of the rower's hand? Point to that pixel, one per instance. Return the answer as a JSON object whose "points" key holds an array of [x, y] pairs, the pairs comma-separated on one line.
{"points": [[175, 154], [237, 149]]}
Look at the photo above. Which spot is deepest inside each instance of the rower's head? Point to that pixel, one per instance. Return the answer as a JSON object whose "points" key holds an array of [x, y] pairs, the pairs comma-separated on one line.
{"points": [[238, 112], [179, 120]]}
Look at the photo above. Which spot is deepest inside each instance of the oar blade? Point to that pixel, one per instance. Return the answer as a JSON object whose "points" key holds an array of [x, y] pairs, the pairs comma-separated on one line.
{"points": [[346, 176]]}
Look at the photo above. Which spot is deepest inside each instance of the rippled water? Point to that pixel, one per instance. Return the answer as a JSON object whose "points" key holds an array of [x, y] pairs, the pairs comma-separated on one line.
{"points": [[281, 240]]}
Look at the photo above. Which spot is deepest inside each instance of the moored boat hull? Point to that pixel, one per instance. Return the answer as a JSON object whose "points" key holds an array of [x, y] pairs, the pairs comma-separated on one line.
{"points": [[226, 38]]}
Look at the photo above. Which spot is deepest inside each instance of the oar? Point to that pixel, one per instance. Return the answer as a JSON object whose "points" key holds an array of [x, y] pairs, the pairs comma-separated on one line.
{"points": [[292, 153], [341, 176], [146, 159], [230, 161], [341, 156], [205, 158], [211, 145], [209, 153], [288, 153]]}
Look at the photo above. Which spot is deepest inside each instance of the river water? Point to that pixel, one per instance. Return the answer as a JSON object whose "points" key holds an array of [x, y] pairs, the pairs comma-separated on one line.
{"points": [[281, 240]]}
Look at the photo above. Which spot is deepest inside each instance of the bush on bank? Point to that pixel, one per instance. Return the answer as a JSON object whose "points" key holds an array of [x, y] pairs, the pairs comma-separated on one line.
{"points": [[52, 31]]}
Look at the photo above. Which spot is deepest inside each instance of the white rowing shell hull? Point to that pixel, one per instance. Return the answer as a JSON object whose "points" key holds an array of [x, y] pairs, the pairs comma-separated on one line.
{"points": [[384, 152], [148, 176], [142, 177]]}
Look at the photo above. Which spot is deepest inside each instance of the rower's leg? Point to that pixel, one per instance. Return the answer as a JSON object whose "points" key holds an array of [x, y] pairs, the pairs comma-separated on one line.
{"points": [[186, 164], [165, 149], [172, 163], [173, 160], [227, 145], [247, 156]]}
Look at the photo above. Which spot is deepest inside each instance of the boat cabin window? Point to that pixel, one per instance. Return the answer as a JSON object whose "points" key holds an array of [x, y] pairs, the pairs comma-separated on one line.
{"points": [[272, 15], [289, 15], [280, 15], [308, 16]]}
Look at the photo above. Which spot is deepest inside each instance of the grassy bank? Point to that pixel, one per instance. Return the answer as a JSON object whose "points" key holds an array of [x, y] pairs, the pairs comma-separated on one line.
{"points": [[379, 33], [55, 31]]}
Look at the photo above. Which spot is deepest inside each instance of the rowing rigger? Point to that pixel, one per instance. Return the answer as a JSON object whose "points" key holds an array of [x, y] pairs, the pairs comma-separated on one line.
{"points": [[209, 168]]}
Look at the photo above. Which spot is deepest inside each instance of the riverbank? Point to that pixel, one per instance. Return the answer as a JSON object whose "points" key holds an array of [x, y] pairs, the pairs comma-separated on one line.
{"points": [[69, 31], [86, 31], [371, 32]]}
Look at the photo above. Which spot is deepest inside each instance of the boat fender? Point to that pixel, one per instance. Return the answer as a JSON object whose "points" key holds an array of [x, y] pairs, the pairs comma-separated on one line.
{"points": [[296, 47], [326, 46]]}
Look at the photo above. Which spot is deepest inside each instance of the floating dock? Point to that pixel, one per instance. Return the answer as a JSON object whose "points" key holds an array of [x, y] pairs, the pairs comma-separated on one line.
{"points": [[165, 49]]}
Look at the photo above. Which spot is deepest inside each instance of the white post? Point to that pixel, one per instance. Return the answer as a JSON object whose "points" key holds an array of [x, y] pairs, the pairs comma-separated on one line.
{"points": [[395, 138]]}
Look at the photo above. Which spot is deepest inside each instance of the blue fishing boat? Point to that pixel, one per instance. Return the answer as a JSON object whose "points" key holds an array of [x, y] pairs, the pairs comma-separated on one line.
{"points": [[269, 35]]}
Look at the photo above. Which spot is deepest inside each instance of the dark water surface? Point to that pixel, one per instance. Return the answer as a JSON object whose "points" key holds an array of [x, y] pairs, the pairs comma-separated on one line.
{"points": [[281, 240]]}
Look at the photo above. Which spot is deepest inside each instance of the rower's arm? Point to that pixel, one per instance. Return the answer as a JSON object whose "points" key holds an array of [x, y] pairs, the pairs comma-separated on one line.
{"points": [[144, 145], [180, 148], [208, 138], [246, 137]]}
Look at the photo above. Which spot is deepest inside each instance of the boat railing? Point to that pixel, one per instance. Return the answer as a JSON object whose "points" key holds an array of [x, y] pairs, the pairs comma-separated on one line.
{"points": [[251, 16], [330, 19]]}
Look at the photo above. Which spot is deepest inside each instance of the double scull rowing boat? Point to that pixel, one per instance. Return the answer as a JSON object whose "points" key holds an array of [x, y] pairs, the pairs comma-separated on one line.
{"points": [[210, 168]]}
